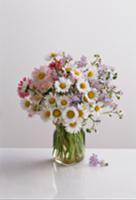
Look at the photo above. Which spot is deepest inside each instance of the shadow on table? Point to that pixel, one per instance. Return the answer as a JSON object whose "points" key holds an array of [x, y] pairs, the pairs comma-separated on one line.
{"points": [[20, 166]]}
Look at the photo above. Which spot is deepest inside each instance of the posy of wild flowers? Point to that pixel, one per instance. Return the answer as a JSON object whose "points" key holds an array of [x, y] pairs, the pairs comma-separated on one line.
{"points": [[71, 93]]}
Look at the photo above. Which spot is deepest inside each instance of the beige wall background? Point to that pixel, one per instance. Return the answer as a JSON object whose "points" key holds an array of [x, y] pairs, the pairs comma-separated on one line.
{"points": [[29, 29]]}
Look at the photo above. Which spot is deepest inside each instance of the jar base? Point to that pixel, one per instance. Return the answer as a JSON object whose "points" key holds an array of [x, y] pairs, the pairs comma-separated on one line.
{"points": [[67, 162]]}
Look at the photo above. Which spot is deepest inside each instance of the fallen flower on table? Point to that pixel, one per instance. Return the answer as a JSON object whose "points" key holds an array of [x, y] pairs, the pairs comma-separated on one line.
{"points": [[94, 161]]}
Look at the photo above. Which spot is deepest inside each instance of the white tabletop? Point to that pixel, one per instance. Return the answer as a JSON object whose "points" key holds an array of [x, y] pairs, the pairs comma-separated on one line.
{"points": [[31, 174]]}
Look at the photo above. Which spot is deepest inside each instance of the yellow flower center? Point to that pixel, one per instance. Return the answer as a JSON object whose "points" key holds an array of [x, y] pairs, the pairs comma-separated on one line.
{"points": [[77, 72], [91, 94], [41, 75], [81, 113], [73, 125], [97, 108], [62, 85], [56, 113], [47, 114], [53, 54], [90, 74], [82, 85], [70, 114], [68, 69], [27, 104], [52, 100], [63, 102]]}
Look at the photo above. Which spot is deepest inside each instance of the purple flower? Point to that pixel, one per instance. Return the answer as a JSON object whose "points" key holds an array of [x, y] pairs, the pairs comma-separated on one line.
{"points": [[104, 98], [82, 62], [96, 84], [75, 100], [94, 161]]}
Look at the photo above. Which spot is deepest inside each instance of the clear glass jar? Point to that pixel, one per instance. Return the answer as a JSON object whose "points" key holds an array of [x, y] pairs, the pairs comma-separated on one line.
{"points": [[68, 148]]}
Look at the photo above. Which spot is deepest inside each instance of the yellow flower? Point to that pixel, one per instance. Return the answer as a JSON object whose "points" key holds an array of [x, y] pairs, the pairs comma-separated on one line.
{"points": [[53, 54]]}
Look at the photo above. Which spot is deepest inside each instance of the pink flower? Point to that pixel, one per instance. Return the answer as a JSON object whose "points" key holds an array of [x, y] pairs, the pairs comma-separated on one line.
{"points": [[40, 74], [42, 78], [23, 86], [82, 62], [57, 64], [43, 86], [52, 75]]}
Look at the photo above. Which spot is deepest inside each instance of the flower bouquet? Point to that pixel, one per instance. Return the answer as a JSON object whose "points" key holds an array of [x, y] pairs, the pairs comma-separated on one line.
{"points": [[72, 94]]}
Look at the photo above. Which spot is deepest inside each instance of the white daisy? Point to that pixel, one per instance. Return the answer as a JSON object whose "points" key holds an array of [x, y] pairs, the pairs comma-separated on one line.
{"points": [[51, 100], [82, 85], [83, 111], [62, 85], [91, 95], [76, 73], [26, 104], [56, 113], [73, 127], [45, 114], [91, 72], [70, 114], [97, 107], [63, 101]]}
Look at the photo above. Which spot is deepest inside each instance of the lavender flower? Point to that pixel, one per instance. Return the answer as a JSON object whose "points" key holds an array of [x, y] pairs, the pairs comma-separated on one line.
{"points": [[75, 100], [94, 161], [82, 62], [104, 98]]}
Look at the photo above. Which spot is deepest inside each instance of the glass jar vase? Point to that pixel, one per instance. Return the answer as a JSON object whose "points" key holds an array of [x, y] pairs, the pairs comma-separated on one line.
{"points": [[68, 148]]}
